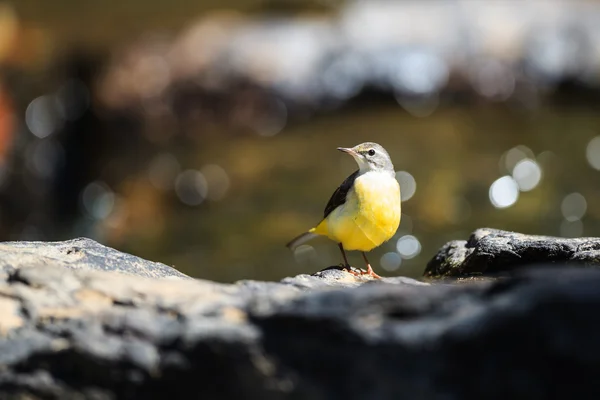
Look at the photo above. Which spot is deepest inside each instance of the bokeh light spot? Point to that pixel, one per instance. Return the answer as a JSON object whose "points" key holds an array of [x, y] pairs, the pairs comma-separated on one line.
{"points": [[217, 180], [573, 206], [528, 174], [420, 73], [408, 185], [510, 159], [504, 192], [390, 261], [408, 246], [273, 120], [191, 187], [593, 152], [41, 116], [494, 80], [98, 200], [344, 77]]}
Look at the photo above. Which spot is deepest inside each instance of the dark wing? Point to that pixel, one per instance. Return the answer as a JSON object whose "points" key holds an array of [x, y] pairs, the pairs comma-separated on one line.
{"points": [[339, 196]]}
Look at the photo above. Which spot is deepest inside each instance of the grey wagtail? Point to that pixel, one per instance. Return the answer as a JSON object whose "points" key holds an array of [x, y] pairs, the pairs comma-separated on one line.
{"points": [[364, 212]]}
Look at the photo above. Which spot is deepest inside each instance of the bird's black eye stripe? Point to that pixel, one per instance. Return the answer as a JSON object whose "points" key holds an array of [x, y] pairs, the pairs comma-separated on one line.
{"points": [[371, 152]]}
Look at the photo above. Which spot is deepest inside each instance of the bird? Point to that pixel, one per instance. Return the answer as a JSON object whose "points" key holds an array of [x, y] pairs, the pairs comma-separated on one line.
{"points": [[364, 211]]}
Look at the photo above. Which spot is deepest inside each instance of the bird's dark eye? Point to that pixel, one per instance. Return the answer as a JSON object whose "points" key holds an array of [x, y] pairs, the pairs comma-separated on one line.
{"points": [[371, 152]]}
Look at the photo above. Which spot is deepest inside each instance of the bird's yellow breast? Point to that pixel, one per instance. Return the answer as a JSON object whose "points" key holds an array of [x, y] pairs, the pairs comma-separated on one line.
{"points": [[369, 217]]}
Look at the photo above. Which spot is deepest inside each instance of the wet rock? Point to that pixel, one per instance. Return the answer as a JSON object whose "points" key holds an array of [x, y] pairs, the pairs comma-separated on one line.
{"points": [[74, 333], [491, 251]]}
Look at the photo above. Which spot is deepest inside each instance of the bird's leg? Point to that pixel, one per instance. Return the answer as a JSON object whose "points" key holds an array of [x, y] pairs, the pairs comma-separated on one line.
{"points": [[344, 255], [347, 266], [369, 269]]}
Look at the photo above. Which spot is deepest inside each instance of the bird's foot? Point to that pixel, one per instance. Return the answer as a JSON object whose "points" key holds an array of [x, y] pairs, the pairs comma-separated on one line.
{"points": [[348, 269], [370, 272]]}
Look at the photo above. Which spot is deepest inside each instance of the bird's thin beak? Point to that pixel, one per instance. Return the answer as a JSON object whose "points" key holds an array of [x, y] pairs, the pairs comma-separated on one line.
{"points": [[349, 151]]}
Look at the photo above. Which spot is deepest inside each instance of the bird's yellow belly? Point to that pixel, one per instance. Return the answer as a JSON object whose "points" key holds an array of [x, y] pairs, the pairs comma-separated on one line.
{"points": [[370, 216]]}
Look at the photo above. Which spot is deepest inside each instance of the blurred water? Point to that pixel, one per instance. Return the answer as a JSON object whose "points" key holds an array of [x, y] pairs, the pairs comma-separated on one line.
{"points": [[207, 141], [221, 205], [278, 186]]}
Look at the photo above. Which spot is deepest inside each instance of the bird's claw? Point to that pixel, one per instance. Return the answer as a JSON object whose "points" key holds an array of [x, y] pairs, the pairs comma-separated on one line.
{"points": [[360, 272], [370, 272], [349, 270]]}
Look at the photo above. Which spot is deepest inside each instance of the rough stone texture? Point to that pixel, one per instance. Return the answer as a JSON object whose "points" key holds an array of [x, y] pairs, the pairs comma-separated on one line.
{"points": [[80, 253], [85, 334], [492, 251]]}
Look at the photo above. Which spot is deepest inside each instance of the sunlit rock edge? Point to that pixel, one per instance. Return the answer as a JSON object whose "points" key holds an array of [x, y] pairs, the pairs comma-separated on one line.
{"points": [[493, 252]]}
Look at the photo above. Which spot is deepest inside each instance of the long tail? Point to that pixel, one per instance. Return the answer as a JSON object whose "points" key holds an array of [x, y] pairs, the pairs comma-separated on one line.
{"points": [[305, 237]]}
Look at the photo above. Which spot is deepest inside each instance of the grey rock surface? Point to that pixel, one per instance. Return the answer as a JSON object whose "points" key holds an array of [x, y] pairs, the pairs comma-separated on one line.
{"points": [[78, 333], [492, 251], [80, 253]]}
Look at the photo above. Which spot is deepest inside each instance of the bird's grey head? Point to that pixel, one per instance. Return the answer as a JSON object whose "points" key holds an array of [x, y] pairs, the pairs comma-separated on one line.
{"points": [[370, 157]]}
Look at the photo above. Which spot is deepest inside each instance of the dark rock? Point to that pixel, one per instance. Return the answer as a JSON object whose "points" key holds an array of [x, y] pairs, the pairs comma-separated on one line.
{"points": [[492, 251], [81, 253], [76, 333]]}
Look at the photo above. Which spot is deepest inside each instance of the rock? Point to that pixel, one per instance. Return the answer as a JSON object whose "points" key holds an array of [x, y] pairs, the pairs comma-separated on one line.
{"points": [[492, 251], [81, 253], [75, 333], [335, 276]]}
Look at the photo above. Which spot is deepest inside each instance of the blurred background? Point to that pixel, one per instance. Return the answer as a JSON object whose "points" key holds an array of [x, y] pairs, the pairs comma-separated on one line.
{"points": [[202, 134]]}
